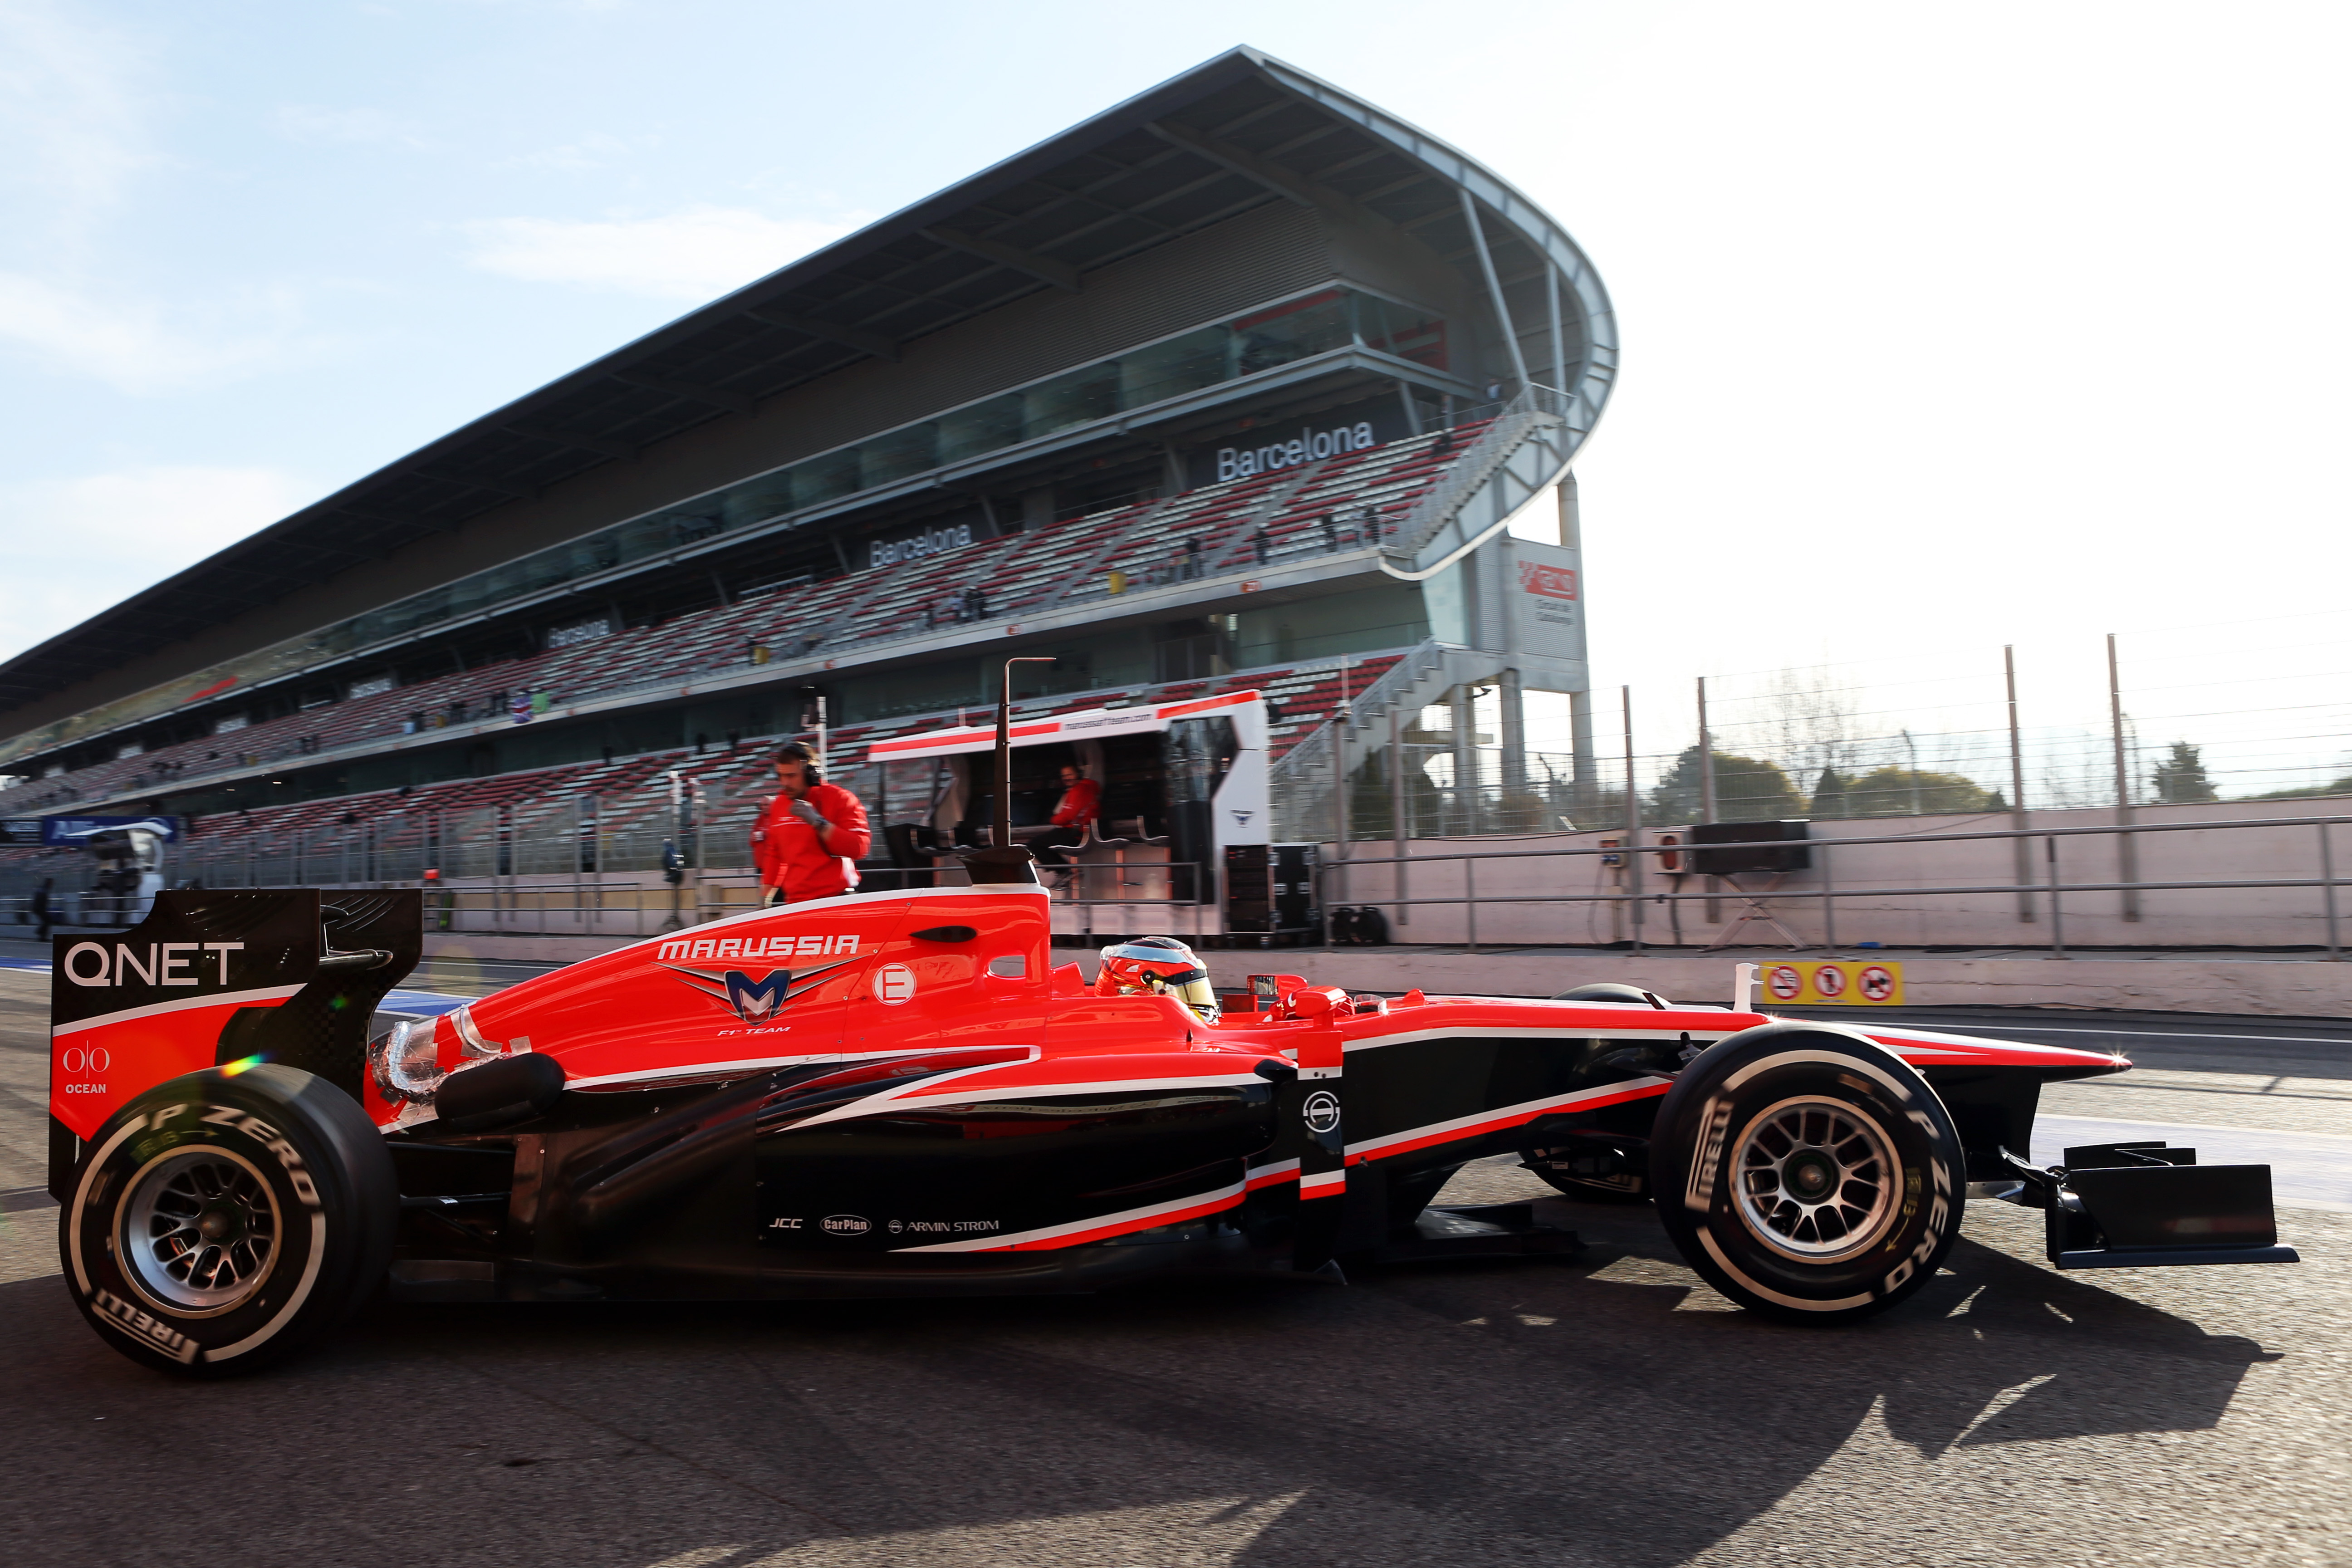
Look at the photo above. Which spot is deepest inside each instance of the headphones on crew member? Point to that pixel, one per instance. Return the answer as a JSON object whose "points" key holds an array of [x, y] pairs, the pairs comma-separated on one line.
{"points": [[796, 753]]}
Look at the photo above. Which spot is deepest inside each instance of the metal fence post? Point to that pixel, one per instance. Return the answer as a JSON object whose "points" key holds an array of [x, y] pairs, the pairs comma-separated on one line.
{"points": [[2127, 844], [1829, 904], [1399, 829], [1706, 812], [2057, 912], [2327, 890], [1706, 758], [2024, 851], [1321, 874], [1470, 901], [1343, 721], [1632, 825]]}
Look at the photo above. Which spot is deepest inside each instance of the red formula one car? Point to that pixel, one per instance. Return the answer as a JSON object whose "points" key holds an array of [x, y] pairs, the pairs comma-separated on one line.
{"points": [[899, 1093]]}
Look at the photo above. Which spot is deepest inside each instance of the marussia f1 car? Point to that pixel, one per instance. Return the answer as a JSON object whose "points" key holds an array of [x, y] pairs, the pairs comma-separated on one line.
{"points": [[895, 1093]]}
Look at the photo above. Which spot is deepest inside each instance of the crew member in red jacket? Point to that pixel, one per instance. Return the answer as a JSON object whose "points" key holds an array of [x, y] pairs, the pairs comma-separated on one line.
{"points": [[1081, 802], [810, 835]]}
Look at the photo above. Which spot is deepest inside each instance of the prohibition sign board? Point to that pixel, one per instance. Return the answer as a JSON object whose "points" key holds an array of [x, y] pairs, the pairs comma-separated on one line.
{"points": [[1836, 982]]}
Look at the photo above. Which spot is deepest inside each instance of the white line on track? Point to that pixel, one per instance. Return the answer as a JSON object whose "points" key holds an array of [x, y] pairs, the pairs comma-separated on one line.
{"points": [[2142, 1034]]}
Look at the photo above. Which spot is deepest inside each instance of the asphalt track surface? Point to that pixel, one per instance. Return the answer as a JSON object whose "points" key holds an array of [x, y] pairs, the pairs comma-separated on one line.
{"points": [[1603, 1409]]}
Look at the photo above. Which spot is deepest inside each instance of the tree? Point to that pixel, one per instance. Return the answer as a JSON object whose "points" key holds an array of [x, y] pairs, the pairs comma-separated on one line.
{"points": [[2313, 792], [1900, 792], [2181, 776], [1829, 795], [1746, 789]]}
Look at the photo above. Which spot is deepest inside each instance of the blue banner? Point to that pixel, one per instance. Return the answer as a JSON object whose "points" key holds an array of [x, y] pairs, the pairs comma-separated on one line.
{"points": [[72, 832]]}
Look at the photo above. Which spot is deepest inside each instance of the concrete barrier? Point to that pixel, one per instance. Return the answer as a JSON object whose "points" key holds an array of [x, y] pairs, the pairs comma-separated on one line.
{"points": [[2189, 982]]}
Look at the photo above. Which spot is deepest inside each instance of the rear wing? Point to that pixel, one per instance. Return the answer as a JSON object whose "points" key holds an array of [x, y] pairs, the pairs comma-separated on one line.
{"points": [[216, 979]]}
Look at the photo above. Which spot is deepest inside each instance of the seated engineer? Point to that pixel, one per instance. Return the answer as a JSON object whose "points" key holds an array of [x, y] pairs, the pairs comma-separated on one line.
{"points": [[1081, 800], [810, 835]]}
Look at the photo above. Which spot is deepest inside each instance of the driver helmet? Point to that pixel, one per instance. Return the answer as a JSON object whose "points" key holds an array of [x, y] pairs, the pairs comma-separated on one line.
{"points": [[1158, 967]]}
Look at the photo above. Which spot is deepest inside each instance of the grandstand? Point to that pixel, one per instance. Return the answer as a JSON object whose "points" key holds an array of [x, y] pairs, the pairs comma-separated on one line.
{"points": [[1242, 386]]}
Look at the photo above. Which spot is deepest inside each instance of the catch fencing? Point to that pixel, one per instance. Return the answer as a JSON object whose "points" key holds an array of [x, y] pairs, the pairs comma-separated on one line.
{"points": [[2252, 711], [2187, 877]]}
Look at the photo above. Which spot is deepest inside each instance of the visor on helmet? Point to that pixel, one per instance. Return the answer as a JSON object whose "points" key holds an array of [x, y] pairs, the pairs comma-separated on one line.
{"points": [[1160, 966]]}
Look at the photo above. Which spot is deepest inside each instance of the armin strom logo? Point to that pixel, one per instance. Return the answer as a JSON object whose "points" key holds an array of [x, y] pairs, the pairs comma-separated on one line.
{"points": [[755, 995]]}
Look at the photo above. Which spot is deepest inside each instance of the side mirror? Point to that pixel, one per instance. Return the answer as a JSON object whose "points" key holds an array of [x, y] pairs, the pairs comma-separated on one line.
{"points": [[1315, 1002]]}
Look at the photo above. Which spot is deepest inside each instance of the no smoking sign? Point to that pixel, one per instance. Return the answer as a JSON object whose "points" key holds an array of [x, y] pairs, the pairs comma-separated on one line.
{"points": [[1835, 983]]}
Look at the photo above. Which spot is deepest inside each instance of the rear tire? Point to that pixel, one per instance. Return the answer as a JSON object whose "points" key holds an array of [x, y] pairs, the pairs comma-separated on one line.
{"points": [[1808, 1173], [220, 1221]]}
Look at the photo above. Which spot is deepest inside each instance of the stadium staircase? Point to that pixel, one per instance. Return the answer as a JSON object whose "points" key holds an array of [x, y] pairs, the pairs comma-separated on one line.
{"points": [[1302, 773]]}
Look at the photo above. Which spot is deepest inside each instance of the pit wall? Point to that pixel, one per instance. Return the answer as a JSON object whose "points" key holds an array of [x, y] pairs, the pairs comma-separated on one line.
{"points": [[2190, 918], [2277, 988]]}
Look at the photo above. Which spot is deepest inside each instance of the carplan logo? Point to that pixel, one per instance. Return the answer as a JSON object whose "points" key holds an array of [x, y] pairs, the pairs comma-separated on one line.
{"points": [[846, 1225], [755, 994]]}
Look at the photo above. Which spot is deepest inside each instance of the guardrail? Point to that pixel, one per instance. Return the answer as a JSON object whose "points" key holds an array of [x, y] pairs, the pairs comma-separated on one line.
{"points": [[1637, 898], [633, 905]]}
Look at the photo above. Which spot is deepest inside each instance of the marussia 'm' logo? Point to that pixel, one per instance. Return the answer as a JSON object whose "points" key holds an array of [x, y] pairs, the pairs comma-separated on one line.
{"points": [[755, 1000]]}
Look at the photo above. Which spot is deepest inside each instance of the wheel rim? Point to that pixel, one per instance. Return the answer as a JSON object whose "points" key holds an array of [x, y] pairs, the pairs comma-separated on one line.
{"points": [[1816, 1180], [198, 1231]]}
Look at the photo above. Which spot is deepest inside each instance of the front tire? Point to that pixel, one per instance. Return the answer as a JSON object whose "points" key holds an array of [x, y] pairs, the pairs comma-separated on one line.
{"points": [[1808, 1173], [220, 1219]]}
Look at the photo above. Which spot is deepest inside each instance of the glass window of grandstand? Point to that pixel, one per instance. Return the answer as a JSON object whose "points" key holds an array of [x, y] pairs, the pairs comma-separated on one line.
{"points": [[1191, 362]]}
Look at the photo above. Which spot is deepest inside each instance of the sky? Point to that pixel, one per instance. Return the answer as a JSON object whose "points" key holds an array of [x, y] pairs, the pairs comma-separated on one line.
{"points": [[1943, 326]]}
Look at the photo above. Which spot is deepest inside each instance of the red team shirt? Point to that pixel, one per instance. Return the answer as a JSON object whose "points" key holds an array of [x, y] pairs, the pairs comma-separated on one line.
{"points": [[1078, 804], [791, 856]]}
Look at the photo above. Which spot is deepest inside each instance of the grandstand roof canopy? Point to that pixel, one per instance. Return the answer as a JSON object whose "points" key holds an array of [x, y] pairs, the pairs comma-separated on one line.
{"points": [[1237, 132]]}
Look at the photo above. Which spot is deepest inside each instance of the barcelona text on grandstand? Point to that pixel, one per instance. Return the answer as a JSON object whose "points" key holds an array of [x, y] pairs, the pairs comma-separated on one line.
{"points": [[1307, 447]]}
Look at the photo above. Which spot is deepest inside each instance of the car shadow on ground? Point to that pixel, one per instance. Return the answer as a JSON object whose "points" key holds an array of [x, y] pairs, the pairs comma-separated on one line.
{"points": [[1604, 1409]]}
